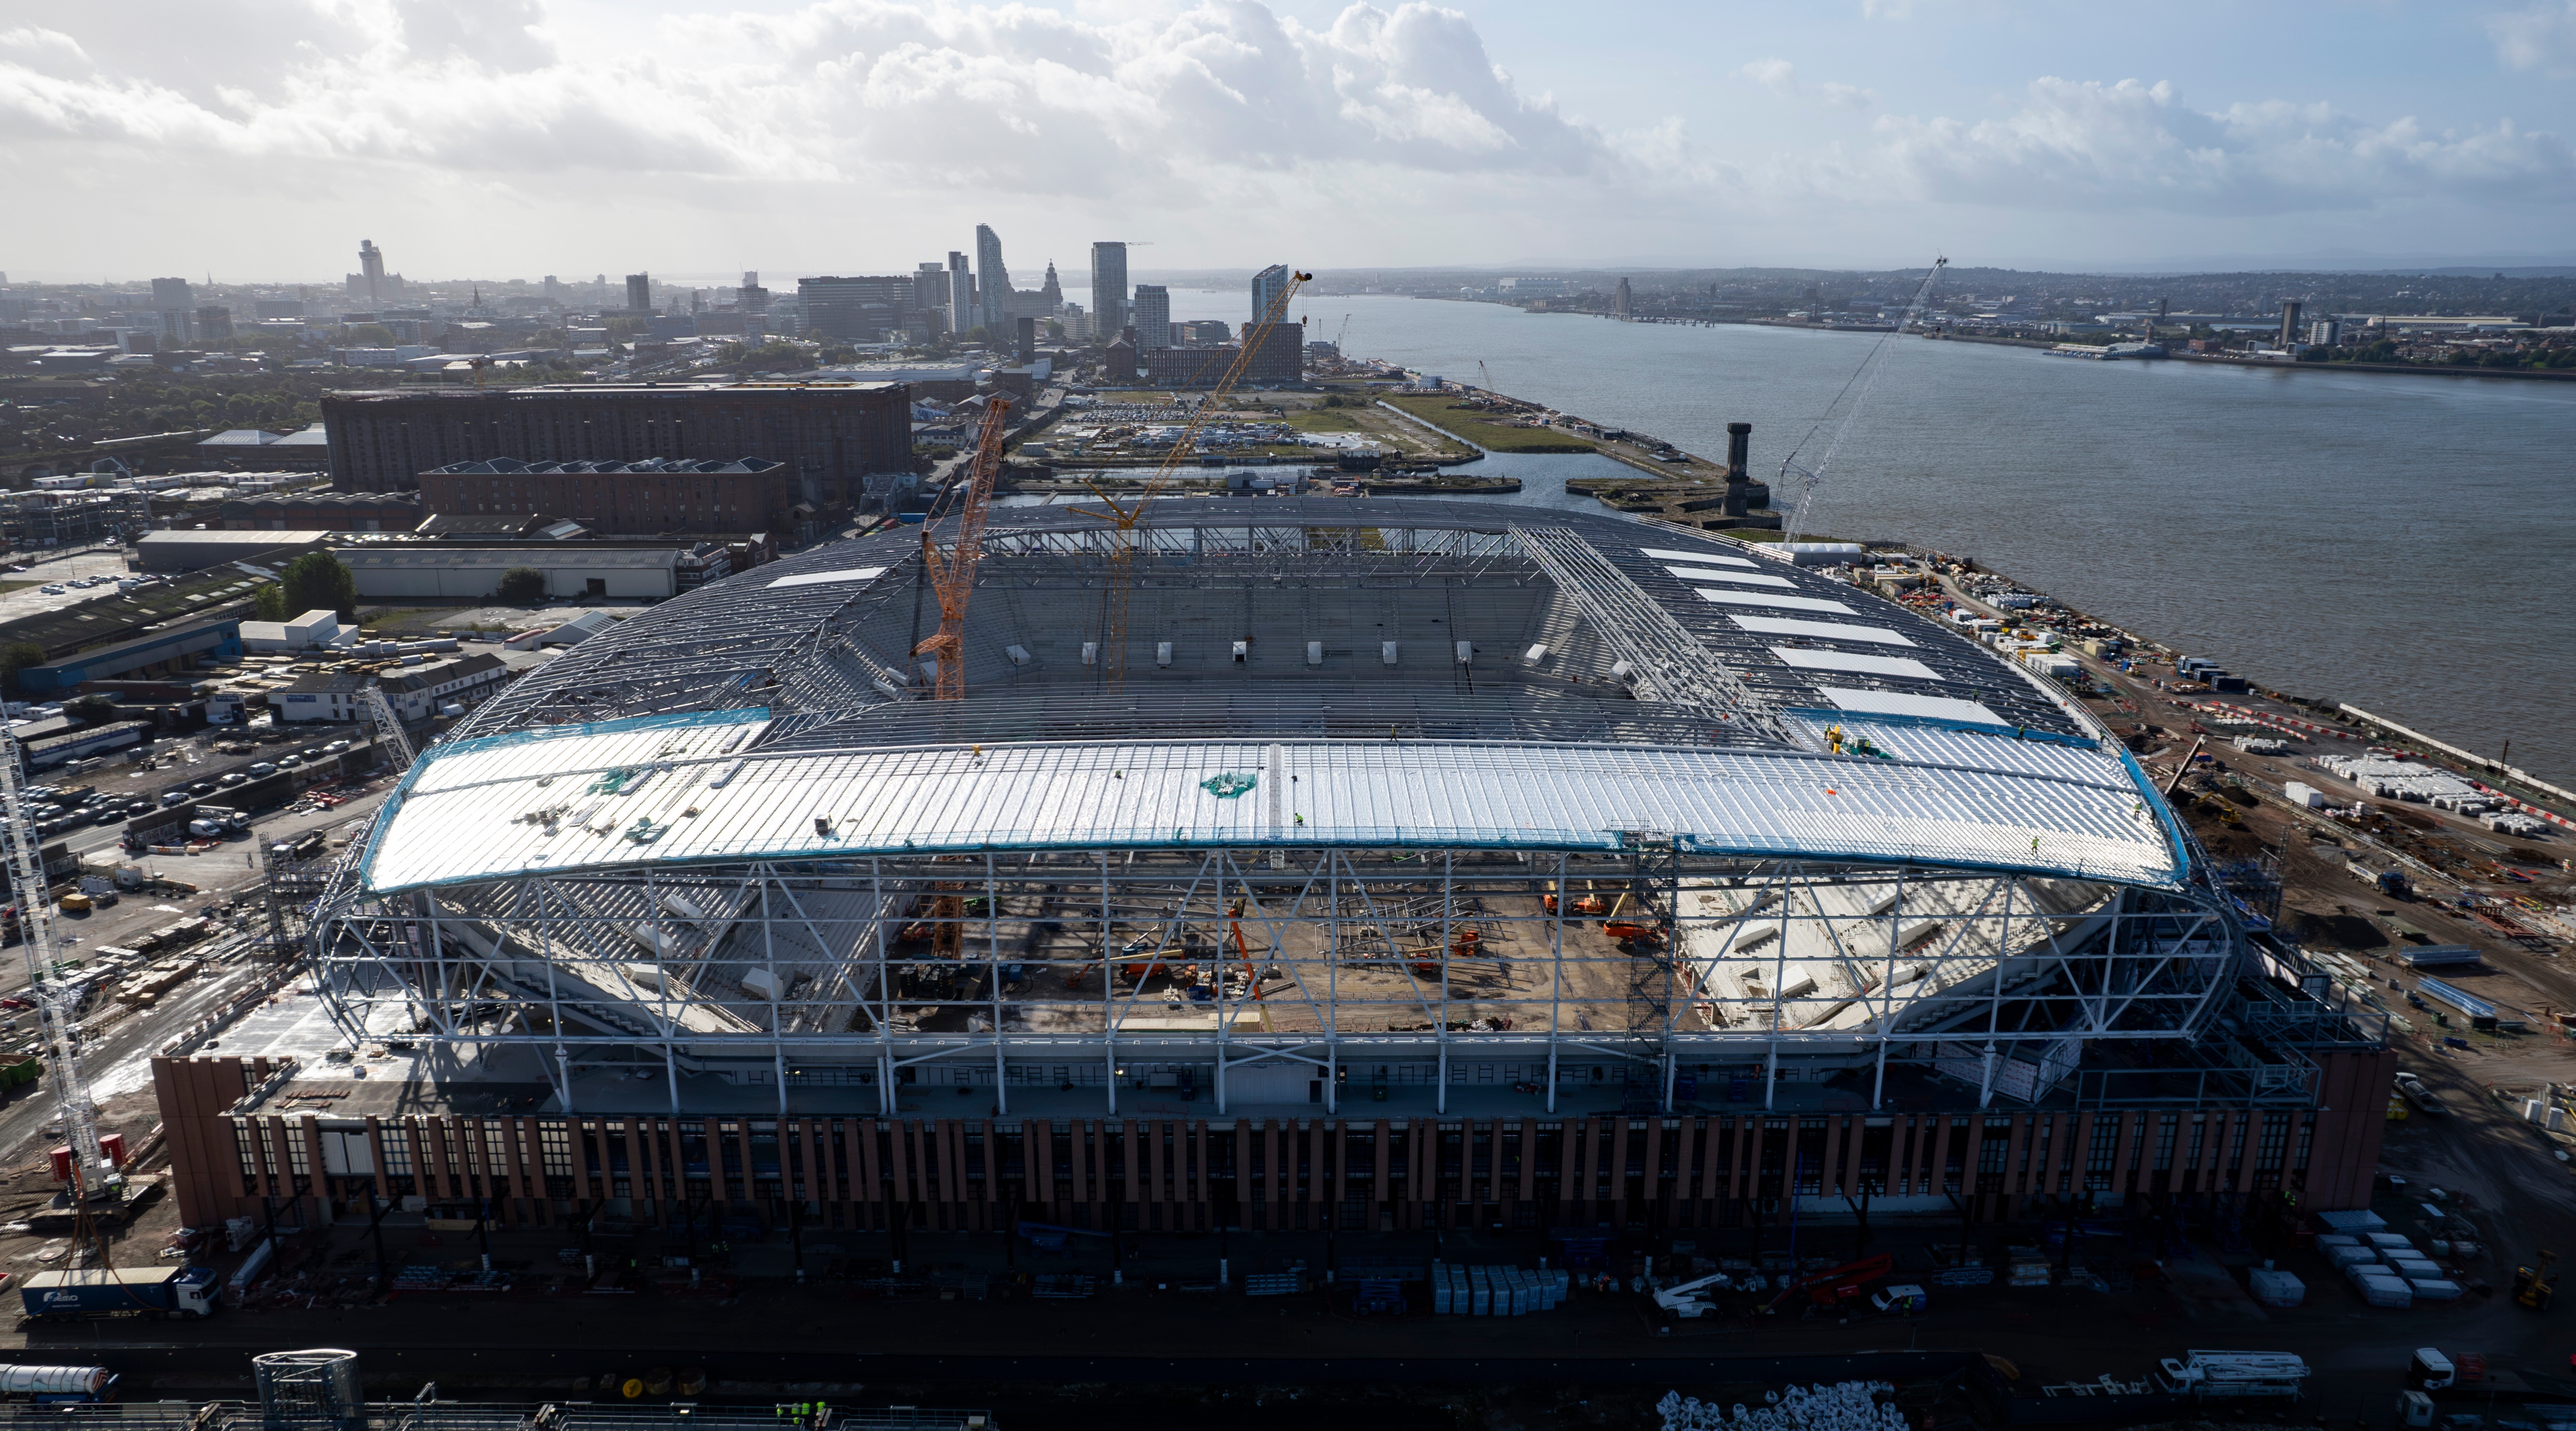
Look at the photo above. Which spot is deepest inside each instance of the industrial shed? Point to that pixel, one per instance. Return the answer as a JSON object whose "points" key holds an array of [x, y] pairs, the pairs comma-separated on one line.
{"points": [[474, 573]]}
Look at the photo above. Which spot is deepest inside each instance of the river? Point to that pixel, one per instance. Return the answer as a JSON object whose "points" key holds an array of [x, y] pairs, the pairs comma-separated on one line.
{"points": [[2398, 542]]}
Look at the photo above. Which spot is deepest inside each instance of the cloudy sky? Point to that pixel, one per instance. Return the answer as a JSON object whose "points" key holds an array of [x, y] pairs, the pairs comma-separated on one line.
{"points": [[260, 139]]}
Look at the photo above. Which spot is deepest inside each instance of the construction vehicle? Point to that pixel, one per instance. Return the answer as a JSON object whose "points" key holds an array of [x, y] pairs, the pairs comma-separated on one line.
{"points": [[1903, 1297], [1689, 1300], [2533, 1285], [2216, 1375], [952, 570], [2412, 1089], [1834, 1285], [1118, 582]]}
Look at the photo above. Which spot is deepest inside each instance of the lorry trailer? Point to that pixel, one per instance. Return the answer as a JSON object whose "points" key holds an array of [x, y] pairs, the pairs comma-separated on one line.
{"points": [[57, 1383], [2219, 1374], [121, 1291]]}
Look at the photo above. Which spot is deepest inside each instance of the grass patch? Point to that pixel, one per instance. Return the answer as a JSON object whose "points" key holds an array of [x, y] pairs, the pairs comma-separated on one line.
{"points": [[1322, 419], [8, 586], [1438, 410]]}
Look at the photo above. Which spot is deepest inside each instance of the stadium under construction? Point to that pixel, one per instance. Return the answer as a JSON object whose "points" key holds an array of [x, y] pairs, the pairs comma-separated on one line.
{"points": [[1310, 862]]}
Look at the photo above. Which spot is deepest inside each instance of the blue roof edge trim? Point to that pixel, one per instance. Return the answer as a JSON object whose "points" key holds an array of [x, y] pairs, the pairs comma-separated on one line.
{"points": [[1832, 716]]}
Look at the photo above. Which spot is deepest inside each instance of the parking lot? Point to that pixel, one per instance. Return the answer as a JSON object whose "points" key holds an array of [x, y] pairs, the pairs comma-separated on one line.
{"points": [[41, 570]]}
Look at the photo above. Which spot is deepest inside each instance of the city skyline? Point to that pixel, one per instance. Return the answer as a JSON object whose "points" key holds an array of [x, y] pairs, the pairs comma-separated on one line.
{"points": [[1400, 137]]}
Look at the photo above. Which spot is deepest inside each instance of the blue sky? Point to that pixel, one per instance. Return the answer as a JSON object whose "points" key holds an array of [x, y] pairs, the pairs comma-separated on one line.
{"points": [[259, 139]]}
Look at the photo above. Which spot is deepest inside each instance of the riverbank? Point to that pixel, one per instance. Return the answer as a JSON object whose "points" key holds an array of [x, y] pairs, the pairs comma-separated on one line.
{"points": [[1369, 484]]}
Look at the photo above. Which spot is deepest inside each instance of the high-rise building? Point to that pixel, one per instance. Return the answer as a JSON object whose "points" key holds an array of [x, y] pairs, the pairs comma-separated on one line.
{"points": [[1266, 286], [855, 310], [1051, 292], [371, 266], [2289, 317], [214, 324], [1108, 288], [961, 294], [751, 297], [176, 302], [639, 292], [992, 279], [1620, 300], [1153, 316]]}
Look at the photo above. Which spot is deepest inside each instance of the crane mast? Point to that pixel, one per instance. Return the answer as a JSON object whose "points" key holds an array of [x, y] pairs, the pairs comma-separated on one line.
{"points": [[1869, 366], [1118, 585], [952, 571], [56, 1005]]}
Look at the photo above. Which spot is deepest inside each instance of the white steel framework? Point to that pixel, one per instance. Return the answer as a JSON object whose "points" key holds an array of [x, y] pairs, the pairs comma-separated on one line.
{"points": [[1446, 804]]}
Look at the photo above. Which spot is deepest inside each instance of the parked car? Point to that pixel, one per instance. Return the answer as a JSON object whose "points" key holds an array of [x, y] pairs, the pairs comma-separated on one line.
{"points": [[202, 787], [179, 797], [232, 778], [53, 588], [335, 747], [260, 771], [287, 761]]}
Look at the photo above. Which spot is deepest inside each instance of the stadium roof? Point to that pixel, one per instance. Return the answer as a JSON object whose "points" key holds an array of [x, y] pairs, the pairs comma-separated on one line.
{"points": [[776, 715]]}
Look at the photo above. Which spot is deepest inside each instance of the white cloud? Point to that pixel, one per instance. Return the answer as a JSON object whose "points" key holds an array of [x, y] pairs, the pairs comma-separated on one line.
{"points": [[2089, 145], [1846, 95], [2542, 37], [839, 90], [1774, 71]]}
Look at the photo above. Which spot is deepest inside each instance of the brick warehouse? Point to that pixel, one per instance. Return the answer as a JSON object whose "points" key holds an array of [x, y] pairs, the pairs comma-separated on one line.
{"points": [[832, 436], [751, 494], [1162, 1172]]}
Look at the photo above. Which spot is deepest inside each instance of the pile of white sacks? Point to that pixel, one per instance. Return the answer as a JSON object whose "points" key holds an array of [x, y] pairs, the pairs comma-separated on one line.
{"points": [[1839, 1406]]}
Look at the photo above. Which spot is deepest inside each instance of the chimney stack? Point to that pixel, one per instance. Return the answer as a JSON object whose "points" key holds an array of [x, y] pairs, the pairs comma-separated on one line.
{"points": [[1739, 439]]}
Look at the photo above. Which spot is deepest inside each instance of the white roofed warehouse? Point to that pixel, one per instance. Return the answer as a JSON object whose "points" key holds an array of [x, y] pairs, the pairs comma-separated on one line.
{"points": [[1698, 881]]}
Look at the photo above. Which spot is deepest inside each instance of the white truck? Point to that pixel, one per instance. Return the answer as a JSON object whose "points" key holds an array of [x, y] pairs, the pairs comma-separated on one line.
{"points": [[2215, 1375]]}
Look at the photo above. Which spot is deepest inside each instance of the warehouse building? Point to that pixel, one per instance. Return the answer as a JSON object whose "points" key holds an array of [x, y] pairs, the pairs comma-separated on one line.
{"points": [[1437, 867], [832, 436], [453, 571], [182, 648], [749, 494]]}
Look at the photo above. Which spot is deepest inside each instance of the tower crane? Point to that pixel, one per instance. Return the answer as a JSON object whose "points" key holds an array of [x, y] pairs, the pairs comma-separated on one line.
{"points": [[1340, 333], [1869, 366], [57, 1004], [1118, 582], [952, 571]]}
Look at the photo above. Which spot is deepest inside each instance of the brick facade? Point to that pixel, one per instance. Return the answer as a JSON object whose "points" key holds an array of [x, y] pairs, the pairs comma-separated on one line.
{"points": [[830, 435], [1170, 1173]]}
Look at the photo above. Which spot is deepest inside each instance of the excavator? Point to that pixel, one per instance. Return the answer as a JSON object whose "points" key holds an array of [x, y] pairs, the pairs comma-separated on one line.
{"points": [[2535, 1284]]}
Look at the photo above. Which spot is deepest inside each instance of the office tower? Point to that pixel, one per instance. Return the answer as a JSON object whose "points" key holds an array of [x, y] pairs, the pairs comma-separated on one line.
{"points": [[961, 294], [214, 324], [856, 310], [176, 302], [751, 297], [371, 265], [1153, 316], [1266, 286], [1108, 287], [992, 280], [1028, 335], [639, 292], [1052, 292]]}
